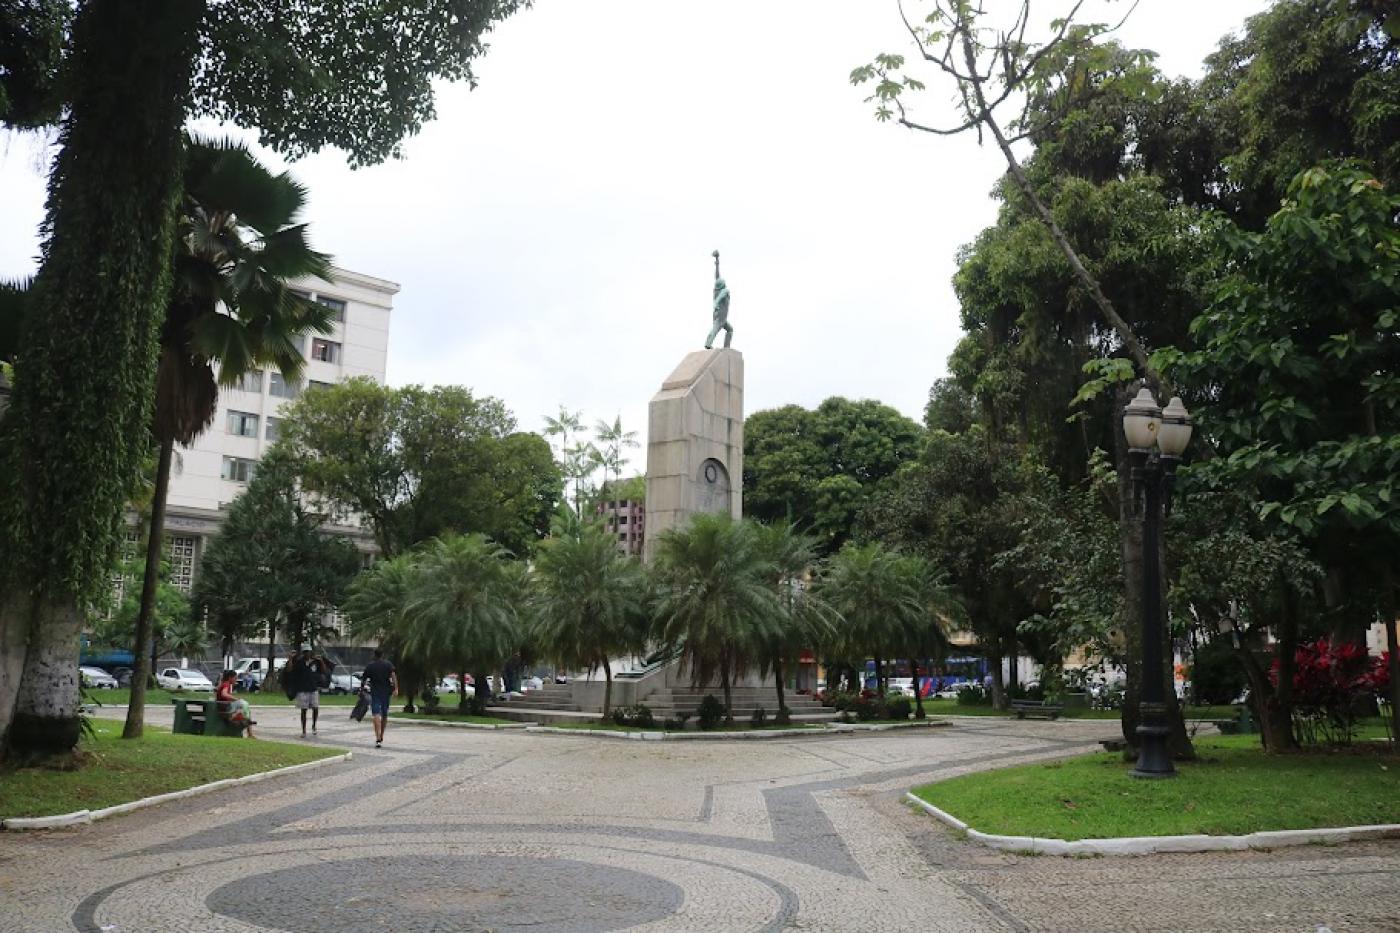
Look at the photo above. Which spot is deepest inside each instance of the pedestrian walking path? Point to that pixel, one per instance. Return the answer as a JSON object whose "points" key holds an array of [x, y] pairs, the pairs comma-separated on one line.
{"points": [[447, 829]]}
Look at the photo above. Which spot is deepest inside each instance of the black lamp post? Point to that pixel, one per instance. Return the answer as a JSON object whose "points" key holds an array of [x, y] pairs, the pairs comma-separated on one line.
{"points": [[1156, 441]]}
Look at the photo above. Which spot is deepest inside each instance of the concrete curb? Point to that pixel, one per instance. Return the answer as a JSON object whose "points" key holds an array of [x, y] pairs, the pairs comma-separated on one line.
{"points": [[658, 736], [490, 726], [79, 817], [886, 726], [1147, 845]]}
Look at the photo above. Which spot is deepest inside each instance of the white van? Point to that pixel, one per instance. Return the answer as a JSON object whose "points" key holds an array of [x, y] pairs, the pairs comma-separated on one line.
{"points": [[255, 669]]}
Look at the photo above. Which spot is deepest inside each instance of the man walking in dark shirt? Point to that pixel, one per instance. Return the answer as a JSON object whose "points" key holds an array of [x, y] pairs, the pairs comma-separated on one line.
{"points": [[382, 682]]}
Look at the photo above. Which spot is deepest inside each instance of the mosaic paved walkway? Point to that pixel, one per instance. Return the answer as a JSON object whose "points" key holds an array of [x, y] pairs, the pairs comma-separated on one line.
{"points": [[462, 830]]}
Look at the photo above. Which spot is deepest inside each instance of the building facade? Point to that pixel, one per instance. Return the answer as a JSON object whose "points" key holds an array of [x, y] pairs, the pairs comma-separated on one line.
{"points": [[625, 518], [209, 474]]}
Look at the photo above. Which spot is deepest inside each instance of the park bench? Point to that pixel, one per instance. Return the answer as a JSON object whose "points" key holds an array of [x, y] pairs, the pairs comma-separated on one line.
{"points": [[201, 717], [1036, 708]]}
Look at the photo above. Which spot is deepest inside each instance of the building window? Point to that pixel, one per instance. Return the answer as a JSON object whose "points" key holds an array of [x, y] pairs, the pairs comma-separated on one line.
{"points": [[313, 384], [281, 388], [622, 519], [242, 423], [273, 425], [238, 470], [327, 351], [181, 553], [250, 381], [335, 304]]}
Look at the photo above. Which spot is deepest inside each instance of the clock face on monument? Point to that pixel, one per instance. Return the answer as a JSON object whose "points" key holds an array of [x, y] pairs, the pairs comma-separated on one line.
{"points": [[712, 492]]}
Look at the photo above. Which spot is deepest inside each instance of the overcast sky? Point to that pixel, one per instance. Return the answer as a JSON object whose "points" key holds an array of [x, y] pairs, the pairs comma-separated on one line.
{"points": [[552, 230]]}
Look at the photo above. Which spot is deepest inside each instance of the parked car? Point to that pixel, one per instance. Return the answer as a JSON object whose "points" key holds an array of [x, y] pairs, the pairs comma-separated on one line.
{"points": [[344, 683], [181, 679], [904, 685], [97, 678]]}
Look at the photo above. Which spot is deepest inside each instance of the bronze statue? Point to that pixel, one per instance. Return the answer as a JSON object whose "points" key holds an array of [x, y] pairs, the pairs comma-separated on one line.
{"points": [[721, 310]]}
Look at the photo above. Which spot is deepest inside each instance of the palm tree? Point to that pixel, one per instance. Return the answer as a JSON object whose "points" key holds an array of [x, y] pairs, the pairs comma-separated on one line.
{"points": [[807, 620], [378, 610], [925, 633], [876, 591], [614, 441], [716, 602], [237, 247], [587, 603], [462, 610]]}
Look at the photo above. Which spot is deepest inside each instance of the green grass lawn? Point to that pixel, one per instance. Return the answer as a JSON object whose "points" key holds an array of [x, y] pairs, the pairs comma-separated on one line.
{"points": [[951, 708], [1235, 788], [114, 770], [121, 696]]}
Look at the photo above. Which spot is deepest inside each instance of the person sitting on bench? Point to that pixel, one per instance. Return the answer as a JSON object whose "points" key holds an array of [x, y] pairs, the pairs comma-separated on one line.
{"points": [[234, 709]]}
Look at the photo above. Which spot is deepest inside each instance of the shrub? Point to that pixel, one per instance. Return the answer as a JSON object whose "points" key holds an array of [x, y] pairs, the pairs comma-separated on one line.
{"points": [[1332, 683], [844, 702], [898, 707], [1216, 677], [973, 695], [673, 724], [783, 717], [867, 708], [1034, 692], [759, 717], [711, 712], [639, 715]]}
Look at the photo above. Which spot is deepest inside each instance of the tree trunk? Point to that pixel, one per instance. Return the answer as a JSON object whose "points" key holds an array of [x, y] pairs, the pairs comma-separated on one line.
{"points": [[879, 676], [483, 692], [269, 681], [90, 345], [778, 682], [607, 689], [1392, 644], [155, 545], [998, 682], [728, 694], [918, 693], [462, 703], [16, 619], [47, 720]]}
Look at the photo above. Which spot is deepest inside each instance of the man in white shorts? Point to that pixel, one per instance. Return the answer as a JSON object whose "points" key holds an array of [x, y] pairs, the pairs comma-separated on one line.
{"points": [[305, 674]]}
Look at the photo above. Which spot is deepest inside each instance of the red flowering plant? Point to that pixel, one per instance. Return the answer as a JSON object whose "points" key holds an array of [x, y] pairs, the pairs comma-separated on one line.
{"points": [[1331, 682]]}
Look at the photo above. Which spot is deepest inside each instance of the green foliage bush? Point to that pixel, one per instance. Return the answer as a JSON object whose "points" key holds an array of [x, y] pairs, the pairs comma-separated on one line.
{"points": [[639, 715], [974, 695], [759, 718], [711, 712], [898, 707], [783, 717], [1216, 677]]}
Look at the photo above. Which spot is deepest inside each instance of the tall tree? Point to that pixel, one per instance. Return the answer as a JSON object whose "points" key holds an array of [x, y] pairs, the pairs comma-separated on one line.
{"points": [[414, 463], [587, 603], [879, 596], [816, 468], [273, 563], [807, 621], [88, 350], [137, 70], [715, 602], [237, 245], [463, 610], [1299, 373]]}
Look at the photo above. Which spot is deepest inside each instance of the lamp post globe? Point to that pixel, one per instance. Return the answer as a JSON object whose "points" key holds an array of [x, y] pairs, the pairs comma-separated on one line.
{"points": [[1141, 420], [1175, 431]]}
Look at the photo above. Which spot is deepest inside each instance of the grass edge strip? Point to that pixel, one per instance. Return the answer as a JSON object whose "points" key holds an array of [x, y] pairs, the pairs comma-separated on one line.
{"points": [[80, 817], [1148, 845]]}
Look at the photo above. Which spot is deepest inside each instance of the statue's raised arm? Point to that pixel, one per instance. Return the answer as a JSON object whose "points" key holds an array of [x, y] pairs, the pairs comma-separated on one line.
{"points": [[721, 310]]}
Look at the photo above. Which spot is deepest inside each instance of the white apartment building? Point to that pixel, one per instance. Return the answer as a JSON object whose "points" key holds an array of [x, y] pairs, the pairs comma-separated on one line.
{"points": [[208, 475]]}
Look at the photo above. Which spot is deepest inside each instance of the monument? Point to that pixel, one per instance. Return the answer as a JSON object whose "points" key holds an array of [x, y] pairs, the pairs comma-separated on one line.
{"points": [[695, 433]]}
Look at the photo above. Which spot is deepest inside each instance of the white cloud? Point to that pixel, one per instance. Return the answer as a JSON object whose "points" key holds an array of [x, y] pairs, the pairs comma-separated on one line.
{"points": [[552, 229]]}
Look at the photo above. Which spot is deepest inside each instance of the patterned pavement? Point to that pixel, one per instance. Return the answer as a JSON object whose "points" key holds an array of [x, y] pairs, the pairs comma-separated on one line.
{"points": [[448, 829]]}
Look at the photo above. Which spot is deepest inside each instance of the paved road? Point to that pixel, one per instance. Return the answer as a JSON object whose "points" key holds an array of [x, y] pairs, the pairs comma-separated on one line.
{"points": [[449, 829]]}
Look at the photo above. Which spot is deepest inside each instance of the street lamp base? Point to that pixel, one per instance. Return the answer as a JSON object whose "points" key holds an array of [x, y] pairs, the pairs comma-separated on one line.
{"points": [[1154, 760]]}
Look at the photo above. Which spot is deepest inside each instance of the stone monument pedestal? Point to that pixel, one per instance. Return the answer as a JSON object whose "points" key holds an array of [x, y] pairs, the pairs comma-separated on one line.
{"points": [[695, 443]]}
